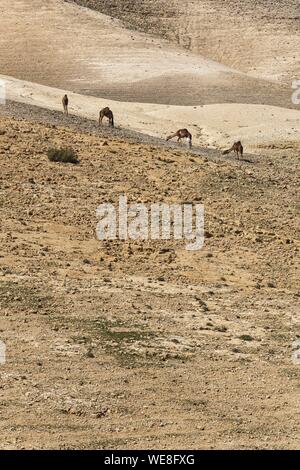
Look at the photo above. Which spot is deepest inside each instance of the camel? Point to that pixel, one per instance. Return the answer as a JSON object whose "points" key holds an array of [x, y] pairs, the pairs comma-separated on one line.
{"points": [[106, 112], [182, 134], [65, 102], [237, 148]]}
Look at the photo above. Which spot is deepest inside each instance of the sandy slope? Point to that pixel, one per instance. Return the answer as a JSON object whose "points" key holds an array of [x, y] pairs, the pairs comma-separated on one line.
{"points": [[215, 125], [63, 45], [260, 38], [68, 44]]}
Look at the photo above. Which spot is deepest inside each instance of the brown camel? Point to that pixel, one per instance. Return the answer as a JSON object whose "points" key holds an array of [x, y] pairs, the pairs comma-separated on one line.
{"points": [[65, 102], [106, 112], [182, 134], [237, 148]]}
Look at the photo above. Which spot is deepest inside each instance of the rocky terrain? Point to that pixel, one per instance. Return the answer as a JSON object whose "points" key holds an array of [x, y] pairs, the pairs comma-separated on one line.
{"points": [[142, 344], [145, 345]]}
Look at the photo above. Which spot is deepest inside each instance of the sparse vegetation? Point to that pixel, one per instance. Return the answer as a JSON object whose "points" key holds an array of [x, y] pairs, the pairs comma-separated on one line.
{"points": [[117, 338], [246, 338], [63, 155]]}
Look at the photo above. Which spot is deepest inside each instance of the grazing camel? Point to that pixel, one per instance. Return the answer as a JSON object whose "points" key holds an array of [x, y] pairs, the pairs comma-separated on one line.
{"points": [[182, 134], [237, 148], [106, 112], [65, 102]]}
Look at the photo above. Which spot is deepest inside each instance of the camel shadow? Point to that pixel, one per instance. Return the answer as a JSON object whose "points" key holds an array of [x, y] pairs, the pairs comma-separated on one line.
{"points": [[246, 160]]}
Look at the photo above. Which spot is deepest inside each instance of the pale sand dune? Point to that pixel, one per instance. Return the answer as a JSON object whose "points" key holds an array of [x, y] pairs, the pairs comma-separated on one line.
{"points": [[215, 125], [67, 45], [260, 38], [63, 45]]}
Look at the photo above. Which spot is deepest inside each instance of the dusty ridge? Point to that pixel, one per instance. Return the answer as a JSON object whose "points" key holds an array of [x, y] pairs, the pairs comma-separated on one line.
{"points": [[211, 125]]}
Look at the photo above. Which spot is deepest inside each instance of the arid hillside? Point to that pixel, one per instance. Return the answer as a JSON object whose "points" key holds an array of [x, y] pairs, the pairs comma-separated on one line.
{"points": [[145, 345], [63, 45], [258, 37], [153, 84]]}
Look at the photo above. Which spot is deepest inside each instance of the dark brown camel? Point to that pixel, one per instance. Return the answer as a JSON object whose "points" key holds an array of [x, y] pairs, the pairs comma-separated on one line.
{"points": [[237, 148], [182, 134], [65, 102], [106, 112]]}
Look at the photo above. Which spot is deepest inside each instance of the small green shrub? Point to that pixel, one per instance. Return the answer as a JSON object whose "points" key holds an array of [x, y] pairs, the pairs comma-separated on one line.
{"points": [[246, 338], [64, 155]]}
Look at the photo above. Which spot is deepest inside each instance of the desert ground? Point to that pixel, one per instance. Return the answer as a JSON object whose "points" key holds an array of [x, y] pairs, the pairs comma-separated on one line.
{"points": [[134, 344]]}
